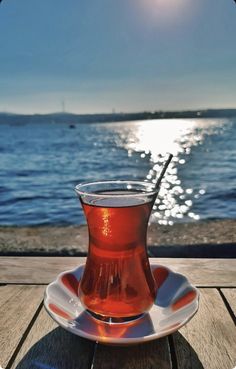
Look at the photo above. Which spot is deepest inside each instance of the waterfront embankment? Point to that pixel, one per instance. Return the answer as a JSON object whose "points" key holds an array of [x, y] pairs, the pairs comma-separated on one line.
{"points": [[198, 239]]}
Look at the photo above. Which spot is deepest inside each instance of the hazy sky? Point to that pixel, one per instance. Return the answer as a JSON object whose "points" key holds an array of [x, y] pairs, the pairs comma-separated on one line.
{"points": [[127, 55]]}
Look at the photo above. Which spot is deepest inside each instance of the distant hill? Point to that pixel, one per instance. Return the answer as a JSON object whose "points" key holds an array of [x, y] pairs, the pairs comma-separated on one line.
{"points": [[116, 117]]}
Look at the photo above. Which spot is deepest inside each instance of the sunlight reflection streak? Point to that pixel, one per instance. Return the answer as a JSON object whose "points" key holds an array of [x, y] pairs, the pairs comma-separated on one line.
{"points": [[152, 140]]}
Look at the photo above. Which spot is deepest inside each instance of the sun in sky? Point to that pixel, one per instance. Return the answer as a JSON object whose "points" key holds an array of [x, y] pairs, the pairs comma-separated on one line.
{"points": [[168, 12], [124, 55]]}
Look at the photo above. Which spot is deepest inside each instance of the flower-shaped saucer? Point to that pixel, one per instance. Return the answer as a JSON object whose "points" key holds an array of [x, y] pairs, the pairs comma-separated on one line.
{"points": [[175, 304]]}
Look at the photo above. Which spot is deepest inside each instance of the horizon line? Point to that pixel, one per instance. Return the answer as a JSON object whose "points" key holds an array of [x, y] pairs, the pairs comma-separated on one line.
{"points": [[121, 112]]}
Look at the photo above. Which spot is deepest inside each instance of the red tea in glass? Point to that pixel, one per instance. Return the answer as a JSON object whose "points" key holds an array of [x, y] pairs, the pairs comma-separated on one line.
{"points": [[117, 283]]}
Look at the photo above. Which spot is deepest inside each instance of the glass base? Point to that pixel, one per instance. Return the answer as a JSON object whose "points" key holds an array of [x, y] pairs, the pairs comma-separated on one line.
{"points": [[115, 320]]}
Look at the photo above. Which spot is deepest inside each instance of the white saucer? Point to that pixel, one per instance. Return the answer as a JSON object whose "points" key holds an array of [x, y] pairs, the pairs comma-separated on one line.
{"points": [[175, 304]]}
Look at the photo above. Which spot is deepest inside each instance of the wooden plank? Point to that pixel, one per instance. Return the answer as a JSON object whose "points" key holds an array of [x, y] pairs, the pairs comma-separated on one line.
{"points": [[209, 339], [205, 272], [7, 292], [48, 346], [230, 295], [201, 272], [154, 354], [34, 270], [18, 306]]}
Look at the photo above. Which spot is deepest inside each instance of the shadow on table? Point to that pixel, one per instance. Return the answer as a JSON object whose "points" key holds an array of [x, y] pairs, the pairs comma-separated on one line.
{"points": [[204, 250], [62, 350], [58, 349], [183, 355], [158, 354]]}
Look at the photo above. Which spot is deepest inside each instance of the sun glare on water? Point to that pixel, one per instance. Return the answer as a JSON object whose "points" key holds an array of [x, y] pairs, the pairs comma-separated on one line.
{"points": [[151, 141]]}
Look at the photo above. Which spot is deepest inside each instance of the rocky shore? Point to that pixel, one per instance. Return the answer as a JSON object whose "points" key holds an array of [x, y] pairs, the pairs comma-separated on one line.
{"points": [[180, 240]]}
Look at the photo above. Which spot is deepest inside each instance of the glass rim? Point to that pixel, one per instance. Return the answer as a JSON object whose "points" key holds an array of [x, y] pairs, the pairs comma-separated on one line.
{"points": [[80, 192]]}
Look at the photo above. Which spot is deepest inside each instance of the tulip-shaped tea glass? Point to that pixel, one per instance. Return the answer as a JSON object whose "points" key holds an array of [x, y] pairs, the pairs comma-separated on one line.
{"points": [[117, 284]]}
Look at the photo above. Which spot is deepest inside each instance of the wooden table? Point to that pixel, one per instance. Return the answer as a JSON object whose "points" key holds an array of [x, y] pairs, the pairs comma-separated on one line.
{"points": [[30, 339]]}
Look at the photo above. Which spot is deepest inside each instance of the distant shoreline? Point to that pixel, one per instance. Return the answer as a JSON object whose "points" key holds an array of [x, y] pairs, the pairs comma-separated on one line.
{"points": [[198, 239], [71, 118]]}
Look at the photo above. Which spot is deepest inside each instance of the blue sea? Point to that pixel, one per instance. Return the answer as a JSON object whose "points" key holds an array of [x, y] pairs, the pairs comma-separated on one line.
{"points": [[41, 163]]}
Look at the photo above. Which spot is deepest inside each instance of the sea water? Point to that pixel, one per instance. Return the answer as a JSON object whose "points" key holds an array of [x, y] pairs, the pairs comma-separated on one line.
{"points": [[41, 163]]}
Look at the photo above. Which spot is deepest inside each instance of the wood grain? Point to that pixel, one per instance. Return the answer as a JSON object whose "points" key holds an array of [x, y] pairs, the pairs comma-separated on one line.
{"points": [[7, 292], [30, 341], [154, 354], [34, 270], [209, 339], [230, 295], [18, 306], [42, 270], [48, 346]]}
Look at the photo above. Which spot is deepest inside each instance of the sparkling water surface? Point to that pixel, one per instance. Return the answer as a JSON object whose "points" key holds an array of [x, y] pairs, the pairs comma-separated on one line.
{"points": [[40, 164]]}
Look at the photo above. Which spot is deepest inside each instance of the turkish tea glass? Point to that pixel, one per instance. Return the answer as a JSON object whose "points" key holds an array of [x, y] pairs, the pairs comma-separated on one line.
{"points": [[117, 284]]}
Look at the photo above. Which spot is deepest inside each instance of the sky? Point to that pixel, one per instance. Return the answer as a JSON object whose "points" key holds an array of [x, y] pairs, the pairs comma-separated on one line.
{"points": [[99, 56]]}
